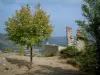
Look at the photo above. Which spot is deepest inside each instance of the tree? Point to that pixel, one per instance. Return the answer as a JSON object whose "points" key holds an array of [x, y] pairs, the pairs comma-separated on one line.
{"points": [[9, 50], [91, 24], [29, 29], [21, 50]]}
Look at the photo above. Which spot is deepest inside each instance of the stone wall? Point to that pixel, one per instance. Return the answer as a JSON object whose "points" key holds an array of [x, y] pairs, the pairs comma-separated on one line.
{"points": [[52, 49], [80, 44]]}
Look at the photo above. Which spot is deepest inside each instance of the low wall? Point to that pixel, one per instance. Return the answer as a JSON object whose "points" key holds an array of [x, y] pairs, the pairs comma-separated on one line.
{"points": [[52, 49]]}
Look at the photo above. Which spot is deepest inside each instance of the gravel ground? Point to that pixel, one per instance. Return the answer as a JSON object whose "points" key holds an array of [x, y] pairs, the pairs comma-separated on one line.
{"points": [[41, 66]]}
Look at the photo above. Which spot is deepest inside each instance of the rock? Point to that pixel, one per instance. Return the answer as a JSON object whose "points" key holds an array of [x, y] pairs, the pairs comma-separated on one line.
{"points": [[3, 61]]}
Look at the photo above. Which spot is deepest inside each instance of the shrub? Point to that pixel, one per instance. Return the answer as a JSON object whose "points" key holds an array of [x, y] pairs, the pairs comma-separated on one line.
{"points": [[88, 59], [21, 50], [73, 62], [70, 51], [9, 50]]}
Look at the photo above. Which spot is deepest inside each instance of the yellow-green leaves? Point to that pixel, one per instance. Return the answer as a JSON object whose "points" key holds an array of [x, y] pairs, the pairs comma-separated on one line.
{"points": [[28, 29]]}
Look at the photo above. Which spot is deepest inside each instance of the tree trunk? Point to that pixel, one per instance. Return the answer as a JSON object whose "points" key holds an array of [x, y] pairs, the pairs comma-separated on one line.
{"points": [[98, 58], [31, 58]]}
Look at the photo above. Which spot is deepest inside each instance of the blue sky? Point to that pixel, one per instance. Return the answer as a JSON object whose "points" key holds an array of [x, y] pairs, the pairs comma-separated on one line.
{"points": [[63, 13]]}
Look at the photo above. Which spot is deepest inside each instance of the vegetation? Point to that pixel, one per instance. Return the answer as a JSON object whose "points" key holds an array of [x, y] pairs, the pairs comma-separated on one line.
{"points": [[9, 50], [91, 11], [21, 50], [74, 62], [87, 59], [27, 29], [90, 59], [70, 51]]}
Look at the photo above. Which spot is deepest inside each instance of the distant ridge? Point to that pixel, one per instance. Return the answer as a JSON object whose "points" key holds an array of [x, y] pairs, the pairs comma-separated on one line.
{"points": [[4, 43]]}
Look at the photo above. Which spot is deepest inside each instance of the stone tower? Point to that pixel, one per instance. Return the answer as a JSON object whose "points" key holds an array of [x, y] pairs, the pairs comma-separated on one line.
{"points": [[78, 33], [70, 38], [80, 44]]}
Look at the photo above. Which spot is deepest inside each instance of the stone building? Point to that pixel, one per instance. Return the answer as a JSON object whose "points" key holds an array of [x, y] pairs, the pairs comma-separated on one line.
{"points": [[69, 36]]}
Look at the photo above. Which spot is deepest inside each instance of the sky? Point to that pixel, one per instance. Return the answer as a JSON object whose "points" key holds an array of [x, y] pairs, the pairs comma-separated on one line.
{"points": [[63, 13]]}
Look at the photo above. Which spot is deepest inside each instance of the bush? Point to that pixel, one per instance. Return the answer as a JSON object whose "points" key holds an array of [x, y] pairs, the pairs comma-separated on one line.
{"points": [[70, 51], [88, 59], [21, 50], [9, 50], [73, 62]]}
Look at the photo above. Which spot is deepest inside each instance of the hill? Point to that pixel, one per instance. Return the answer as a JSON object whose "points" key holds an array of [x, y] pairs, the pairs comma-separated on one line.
{"points": [[5, 43]]}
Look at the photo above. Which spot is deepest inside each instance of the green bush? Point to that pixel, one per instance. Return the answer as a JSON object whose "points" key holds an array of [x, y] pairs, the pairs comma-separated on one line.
{"points": [[73, 62], [21, 50], [70, 51], [88, 59], [85, 60], [9, 50]]}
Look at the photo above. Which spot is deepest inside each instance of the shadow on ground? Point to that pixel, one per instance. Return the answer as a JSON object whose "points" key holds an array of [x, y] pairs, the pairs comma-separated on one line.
{"points": [[48, 70], [19, 63]]}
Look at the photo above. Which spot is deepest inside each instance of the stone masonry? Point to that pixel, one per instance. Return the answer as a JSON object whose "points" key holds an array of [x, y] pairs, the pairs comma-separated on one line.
{"points": [[80, 44], [70, 38]]}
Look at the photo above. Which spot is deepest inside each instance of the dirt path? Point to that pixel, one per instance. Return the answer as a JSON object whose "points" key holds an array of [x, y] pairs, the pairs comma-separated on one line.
{"points": [[41, 66]]}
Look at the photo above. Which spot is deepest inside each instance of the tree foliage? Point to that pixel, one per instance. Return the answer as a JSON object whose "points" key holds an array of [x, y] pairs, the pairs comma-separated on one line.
{"points": [[29, 29], [91, 10], [91, 23], [87, 59], [17, 25]]}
